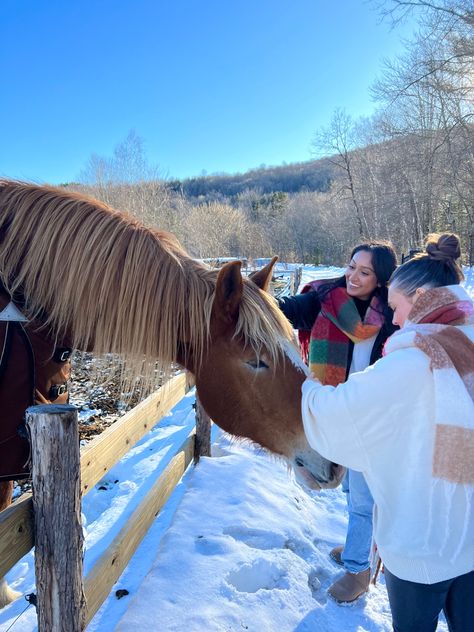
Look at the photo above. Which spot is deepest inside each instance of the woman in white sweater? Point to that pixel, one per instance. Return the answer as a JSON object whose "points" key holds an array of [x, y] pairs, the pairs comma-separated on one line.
{"points": [[407, 423]]}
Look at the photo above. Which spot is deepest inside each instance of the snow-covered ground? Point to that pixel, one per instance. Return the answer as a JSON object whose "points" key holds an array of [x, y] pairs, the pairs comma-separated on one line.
{"points": [[239, 546]]}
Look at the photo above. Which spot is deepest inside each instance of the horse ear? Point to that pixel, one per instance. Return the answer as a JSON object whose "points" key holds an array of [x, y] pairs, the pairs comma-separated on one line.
{"points": [[229, 289], [262, 277]]}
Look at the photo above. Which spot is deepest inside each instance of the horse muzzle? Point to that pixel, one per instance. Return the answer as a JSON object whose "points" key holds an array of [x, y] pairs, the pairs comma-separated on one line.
{"points": [[326, 475]]}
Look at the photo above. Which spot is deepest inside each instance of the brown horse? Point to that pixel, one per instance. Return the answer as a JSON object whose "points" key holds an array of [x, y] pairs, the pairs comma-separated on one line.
{"points": [[106, 283]]}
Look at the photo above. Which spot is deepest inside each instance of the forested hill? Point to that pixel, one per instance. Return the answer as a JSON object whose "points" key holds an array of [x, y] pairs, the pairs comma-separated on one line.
{"points": [[314, 175]]}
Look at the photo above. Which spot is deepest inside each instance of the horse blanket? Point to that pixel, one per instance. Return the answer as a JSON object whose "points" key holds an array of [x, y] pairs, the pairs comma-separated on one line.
{"points": [[33, 370]]}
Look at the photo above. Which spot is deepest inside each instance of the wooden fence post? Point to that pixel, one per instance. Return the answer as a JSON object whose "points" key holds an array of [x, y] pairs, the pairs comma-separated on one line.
{"points": [[57, 517], [297, 279], [202, 446]]}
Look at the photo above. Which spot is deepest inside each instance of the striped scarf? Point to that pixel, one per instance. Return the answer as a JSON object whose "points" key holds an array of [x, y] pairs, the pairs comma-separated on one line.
{"points": [[337, 324], [433, 328]]}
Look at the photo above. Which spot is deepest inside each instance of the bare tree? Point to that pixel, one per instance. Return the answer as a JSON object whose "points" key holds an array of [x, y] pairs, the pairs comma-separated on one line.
{"points": [[213, 230], [338, 142], [127, 181], [427, 96]]}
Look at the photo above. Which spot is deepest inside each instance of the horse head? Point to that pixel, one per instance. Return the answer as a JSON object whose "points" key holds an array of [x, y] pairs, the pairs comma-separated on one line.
{"points": [[251, 390]]}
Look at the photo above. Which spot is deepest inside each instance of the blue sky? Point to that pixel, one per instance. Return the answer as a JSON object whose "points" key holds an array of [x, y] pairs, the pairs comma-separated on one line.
{"points": [[210, 85]]}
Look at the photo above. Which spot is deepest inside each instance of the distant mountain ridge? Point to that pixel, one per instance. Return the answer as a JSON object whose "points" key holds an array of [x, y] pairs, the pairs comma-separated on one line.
{"points": [[314, 175]]}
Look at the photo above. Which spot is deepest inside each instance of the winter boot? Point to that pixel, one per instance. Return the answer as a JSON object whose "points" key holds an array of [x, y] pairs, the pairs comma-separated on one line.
{"points": [[335, 555], [350, 586]]}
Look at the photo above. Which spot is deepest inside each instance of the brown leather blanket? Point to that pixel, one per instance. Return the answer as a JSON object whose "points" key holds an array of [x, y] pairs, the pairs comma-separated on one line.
{"points": [[33, 370]]}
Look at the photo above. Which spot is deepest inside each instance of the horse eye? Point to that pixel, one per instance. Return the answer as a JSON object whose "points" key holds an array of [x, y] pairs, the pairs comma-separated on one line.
{"points": [[257, 363]]}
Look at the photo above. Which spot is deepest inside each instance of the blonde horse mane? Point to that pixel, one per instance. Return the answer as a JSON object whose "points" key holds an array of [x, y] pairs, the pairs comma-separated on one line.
{"points": [[107, 283]]}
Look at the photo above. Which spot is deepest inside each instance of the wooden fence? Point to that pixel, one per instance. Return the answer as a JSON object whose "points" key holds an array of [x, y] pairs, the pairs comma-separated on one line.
{"points": [[286, 283], [96, 459]]}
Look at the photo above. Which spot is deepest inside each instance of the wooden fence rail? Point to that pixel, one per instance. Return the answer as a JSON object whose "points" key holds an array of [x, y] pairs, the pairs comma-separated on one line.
{"points": [[97, 457], [113, 561]]}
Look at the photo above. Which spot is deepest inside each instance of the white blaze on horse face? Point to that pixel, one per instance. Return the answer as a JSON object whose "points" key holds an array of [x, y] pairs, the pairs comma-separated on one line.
{"points": [[307, 461], [261, 363], [294, 356]]}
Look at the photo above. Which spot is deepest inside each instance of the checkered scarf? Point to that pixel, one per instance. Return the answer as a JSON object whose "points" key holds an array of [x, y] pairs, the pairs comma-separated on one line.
{"points": [[336, 325]]}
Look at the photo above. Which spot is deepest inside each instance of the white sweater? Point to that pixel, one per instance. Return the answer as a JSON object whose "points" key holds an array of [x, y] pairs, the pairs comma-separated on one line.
{"points": [[380, 422]]}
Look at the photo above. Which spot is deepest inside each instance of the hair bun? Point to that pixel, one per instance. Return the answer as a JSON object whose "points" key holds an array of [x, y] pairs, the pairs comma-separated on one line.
{"points": [[444, 247]]}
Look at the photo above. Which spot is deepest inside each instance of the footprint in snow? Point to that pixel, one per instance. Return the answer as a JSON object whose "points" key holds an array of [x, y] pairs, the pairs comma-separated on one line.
{"points": [[301, 548], [256, 538], [314, 583], [259, 575]]}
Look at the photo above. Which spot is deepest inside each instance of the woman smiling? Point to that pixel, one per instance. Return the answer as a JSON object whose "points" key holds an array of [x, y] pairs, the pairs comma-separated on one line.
{"points": [[343, 325]]}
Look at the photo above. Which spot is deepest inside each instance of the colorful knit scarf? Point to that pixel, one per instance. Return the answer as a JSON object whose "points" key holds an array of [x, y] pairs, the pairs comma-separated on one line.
{"points": [[433, 327], [337, 324]]}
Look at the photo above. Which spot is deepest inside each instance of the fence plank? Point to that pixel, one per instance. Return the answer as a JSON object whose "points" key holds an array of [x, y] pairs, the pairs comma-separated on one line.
{"points": [[97, 457], [111, 564], [16, 532]]}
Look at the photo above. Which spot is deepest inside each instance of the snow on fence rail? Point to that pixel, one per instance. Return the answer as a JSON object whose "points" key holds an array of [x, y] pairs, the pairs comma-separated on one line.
{"points": [[96, 459]]}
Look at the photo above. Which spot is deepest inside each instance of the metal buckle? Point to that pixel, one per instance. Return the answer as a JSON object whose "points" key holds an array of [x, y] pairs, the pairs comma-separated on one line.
{"points": [[62, 354], [57, 390]]}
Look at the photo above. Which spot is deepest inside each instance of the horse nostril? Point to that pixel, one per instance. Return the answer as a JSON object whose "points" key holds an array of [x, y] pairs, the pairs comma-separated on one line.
{"points": [[299, 462], [337, 470]]}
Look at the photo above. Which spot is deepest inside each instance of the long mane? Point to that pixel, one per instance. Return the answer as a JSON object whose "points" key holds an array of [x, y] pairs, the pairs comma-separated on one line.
{"points": [[108, 283]]}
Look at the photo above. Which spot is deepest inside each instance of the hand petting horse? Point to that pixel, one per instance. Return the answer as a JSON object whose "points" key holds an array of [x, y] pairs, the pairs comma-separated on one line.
{"points": [[84, 273]]}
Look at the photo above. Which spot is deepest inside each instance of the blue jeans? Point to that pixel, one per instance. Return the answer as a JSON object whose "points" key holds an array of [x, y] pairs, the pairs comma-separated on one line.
{"points": [[415, 607], [360, 504]]}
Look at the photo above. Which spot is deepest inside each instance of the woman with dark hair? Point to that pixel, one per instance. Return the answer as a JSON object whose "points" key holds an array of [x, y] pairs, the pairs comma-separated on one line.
{"points": [[343, 325], [407, 423]]}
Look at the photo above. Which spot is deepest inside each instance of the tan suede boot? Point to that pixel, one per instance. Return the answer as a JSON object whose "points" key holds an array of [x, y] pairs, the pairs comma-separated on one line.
{"points": [[350, 586], [335, 555]]}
